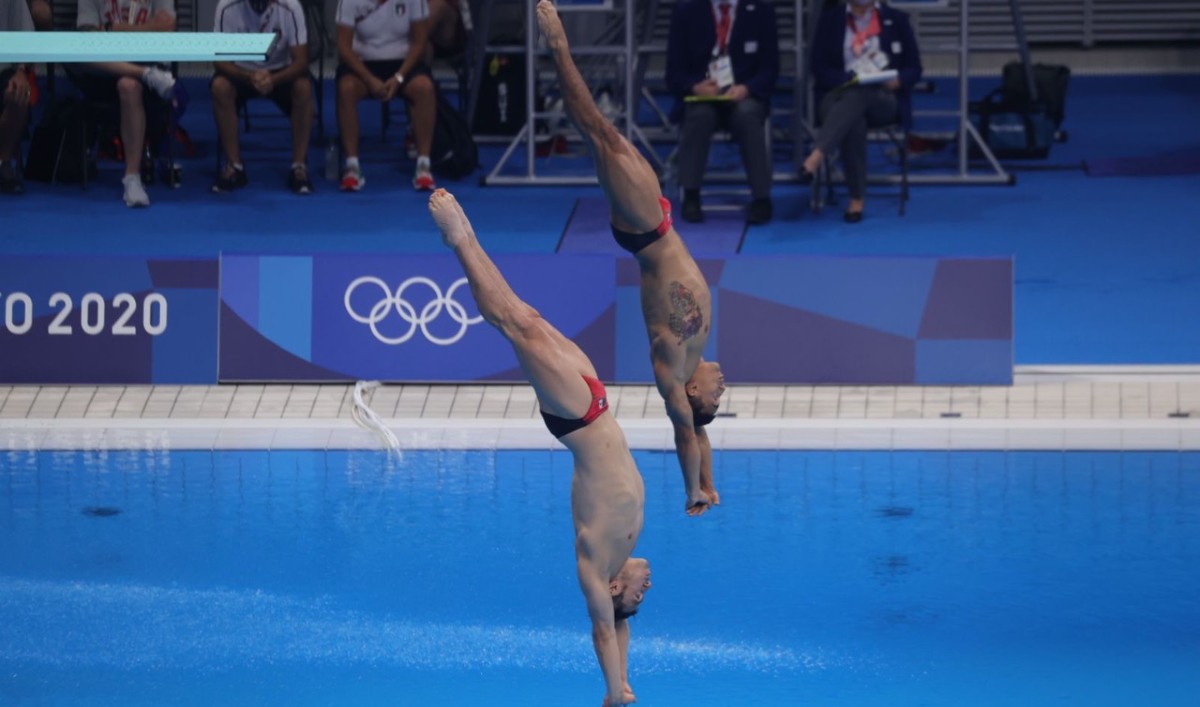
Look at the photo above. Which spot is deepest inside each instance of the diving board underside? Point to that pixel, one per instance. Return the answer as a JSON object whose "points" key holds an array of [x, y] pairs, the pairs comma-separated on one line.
{"points": [[72, 47]]}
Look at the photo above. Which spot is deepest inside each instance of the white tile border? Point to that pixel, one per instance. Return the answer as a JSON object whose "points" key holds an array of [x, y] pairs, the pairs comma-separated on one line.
{"points": [[1047, 408], [647, 434]]}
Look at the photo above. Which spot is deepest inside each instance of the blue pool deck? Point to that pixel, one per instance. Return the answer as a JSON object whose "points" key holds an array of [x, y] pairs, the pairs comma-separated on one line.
{"points": [[1048, 408]]}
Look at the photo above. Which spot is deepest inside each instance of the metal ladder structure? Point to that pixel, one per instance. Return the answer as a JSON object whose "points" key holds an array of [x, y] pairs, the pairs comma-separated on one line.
{"points": [[629, 57], [619, 17], [966, 135]]}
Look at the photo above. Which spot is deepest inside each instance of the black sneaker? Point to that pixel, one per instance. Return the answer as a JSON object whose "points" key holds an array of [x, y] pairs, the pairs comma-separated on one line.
{"points": [[232, 179], [759, 212], [691, 211], [298, 180], [10, 178]]}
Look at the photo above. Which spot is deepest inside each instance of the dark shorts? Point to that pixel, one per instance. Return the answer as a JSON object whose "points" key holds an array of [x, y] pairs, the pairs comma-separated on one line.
{"points": [[103, 88], [280, 95], [5, 77], [386, 69]]}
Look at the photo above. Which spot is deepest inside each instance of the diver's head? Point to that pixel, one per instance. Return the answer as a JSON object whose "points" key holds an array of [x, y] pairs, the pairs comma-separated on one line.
{"points": [[704, 392], [629, 587]]}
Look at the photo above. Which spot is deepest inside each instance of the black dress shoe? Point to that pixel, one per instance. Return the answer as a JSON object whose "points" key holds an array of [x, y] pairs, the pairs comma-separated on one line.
{"points": [[691, 211], [852, 216], [758, 212]]}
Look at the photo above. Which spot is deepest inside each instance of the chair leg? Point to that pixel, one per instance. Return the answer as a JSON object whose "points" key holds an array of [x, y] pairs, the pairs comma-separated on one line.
{"points": [[83, 154]]}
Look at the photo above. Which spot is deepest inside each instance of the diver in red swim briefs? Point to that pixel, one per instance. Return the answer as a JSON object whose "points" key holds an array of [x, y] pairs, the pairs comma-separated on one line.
{"points": [[607, 494], [676, 303]]}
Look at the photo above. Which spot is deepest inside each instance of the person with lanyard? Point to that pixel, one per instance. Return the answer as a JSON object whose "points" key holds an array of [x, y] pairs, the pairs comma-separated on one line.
{"points": [[282, 76], [381, 47], [18, 99], [145, 93], [722, 65], [865, 62]]}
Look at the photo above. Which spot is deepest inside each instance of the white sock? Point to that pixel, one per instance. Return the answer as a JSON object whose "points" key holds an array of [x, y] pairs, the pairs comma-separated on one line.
{"points": [[422, 163], [351, 163]]}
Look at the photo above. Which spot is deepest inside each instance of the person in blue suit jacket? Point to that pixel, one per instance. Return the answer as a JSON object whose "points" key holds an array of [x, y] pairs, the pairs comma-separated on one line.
{"points": [[852, 43], [724, 56]]}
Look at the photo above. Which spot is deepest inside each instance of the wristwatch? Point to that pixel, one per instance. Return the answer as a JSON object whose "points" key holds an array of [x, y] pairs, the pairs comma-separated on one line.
{"points": [[399, 79]]}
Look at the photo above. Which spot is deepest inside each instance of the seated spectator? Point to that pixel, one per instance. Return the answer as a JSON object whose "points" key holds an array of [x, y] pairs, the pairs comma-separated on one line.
{"points": [[381, 53], [18, 95], [138, 89], [283, 77], [42, 14], [851, 44], [449, 22], [722, 63]]}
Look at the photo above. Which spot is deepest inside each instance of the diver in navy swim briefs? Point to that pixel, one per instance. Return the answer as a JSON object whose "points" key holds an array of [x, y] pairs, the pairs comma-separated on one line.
{"points": [[607, 494], [676, 302]]}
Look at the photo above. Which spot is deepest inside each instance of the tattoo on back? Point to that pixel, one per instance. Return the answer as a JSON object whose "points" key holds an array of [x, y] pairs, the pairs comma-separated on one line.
{"points": [[686, 320]]}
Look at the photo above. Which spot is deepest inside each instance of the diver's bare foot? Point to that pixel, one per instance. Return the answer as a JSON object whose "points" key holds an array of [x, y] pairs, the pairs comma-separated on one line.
{"points": [[462, 217], [447, 214], [712, 494], [551, 25]]}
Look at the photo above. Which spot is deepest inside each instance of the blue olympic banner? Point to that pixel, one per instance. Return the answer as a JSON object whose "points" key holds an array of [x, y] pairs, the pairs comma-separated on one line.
{"points": [[93, 320], [800, 319], [397, 317], [844, 320]]}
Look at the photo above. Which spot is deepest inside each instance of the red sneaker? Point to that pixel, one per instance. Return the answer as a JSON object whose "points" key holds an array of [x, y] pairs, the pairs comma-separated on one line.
{"points": [[353, 179], [423, 181]]}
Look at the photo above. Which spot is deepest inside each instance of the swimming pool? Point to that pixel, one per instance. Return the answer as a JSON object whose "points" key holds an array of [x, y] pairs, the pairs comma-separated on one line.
{"points": [[447, 578]]}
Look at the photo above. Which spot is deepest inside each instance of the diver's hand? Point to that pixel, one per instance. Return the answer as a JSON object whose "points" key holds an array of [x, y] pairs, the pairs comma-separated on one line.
{"points": [[697, 503], [627, 698]]}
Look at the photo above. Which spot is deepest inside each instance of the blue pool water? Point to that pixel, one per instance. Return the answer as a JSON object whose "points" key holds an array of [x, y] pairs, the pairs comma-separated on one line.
{"points": [[447, 578]]}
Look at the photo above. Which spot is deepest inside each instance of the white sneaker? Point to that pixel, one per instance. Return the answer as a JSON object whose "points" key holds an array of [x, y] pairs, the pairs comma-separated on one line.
{"points": [[159, 81], [135, 193]]}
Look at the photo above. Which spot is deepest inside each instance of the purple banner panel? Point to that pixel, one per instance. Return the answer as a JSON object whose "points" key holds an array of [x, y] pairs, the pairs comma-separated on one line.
{"points": [[96, 320], [398, 317], [863, 320]]}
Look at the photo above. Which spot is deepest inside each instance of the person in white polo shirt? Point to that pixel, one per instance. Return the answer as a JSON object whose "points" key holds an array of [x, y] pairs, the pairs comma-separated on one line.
{"points": [[144, 93], [381, 54], [283, 77]]}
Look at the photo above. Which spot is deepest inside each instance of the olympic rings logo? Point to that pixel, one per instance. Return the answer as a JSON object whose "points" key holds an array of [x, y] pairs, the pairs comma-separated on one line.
{"points": [[408, 313]]}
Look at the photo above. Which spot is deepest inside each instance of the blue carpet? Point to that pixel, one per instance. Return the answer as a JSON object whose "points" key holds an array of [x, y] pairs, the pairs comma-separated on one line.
{"points": [[1105, 268], [589, 231], [1171, 164]]}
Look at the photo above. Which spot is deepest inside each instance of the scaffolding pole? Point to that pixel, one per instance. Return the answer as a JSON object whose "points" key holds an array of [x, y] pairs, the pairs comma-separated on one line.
{"points": [[967, 135], [527, 135]]}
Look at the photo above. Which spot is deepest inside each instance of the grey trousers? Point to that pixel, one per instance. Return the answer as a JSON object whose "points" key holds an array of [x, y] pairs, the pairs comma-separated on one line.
{"points": [[846, 115], [746, 119]]}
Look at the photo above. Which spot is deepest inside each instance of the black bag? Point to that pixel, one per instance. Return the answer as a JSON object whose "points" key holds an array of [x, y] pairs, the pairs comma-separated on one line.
{"points": [[500, 109], [1050, 81], [62, 124], [1010, 130], [455, 154]]}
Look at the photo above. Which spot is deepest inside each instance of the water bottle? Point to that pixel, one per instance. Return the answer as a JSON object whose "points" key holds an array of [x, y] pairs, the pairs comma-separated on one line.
{"points": [[331, 161]]}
